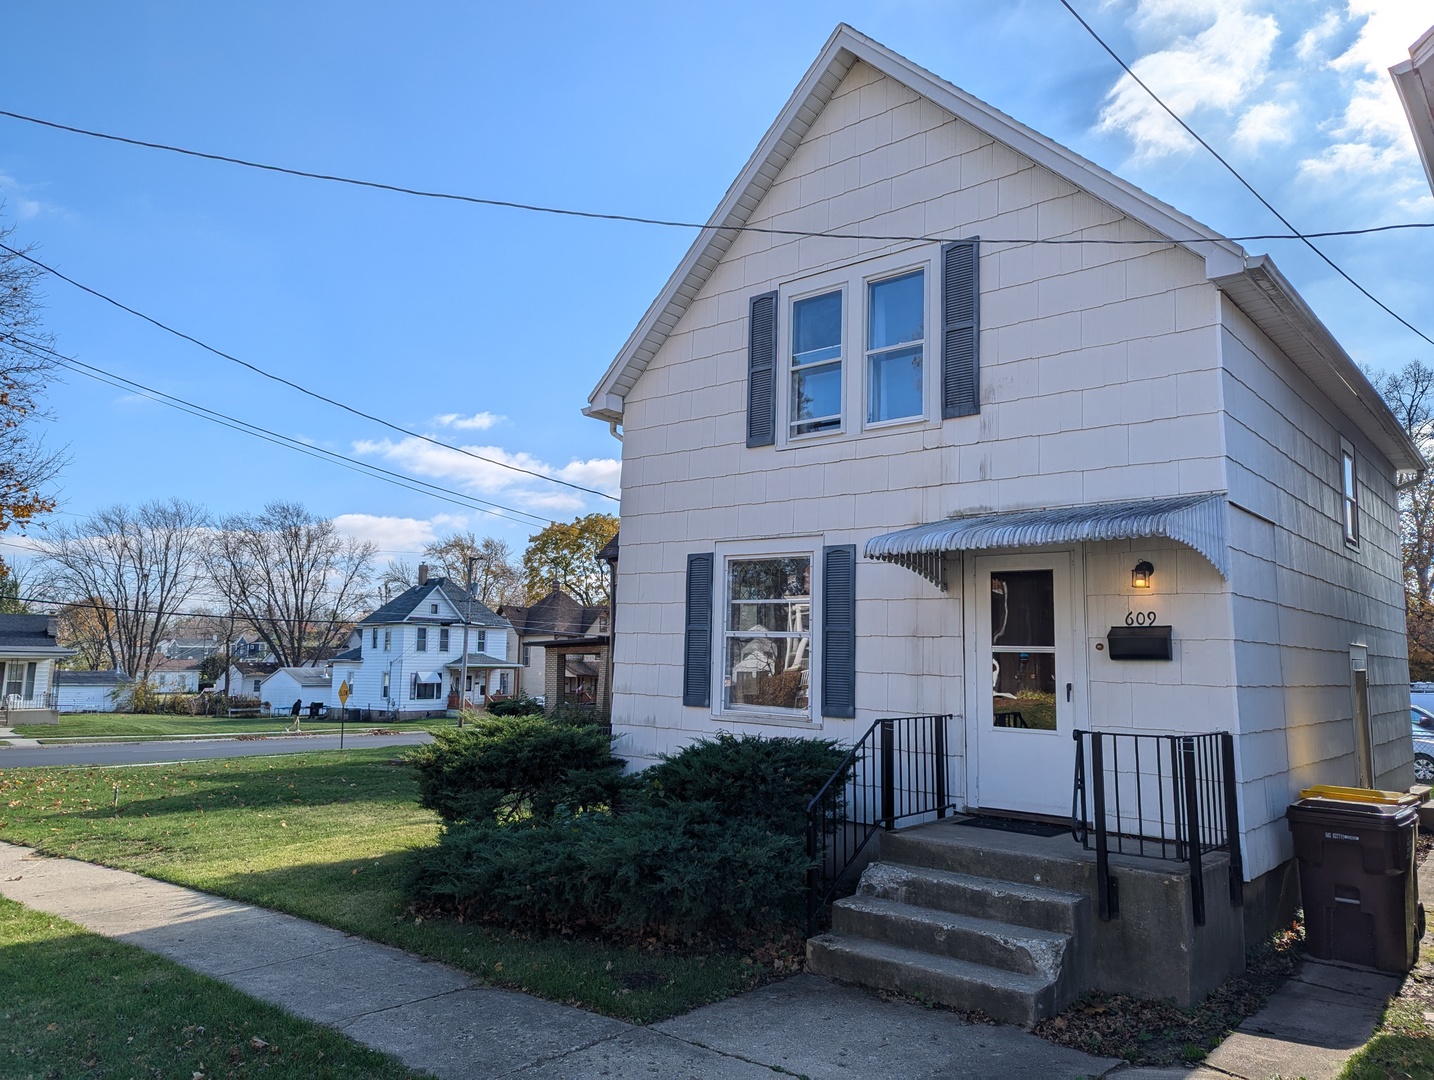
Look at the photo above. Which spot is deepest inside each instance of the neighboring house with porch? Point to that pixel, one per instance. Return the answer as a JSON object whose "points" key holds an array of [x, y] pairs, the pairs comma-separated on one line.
{"points": [[410, 652], [29, 652], [87, 691], [1021, 449], [563, 647]]}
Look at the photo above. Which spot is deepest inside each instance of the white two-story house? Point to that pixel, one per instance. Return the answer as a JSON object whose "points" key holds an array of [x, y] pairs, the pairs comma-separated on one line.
{"points": [[938, 418], [409, 653]]}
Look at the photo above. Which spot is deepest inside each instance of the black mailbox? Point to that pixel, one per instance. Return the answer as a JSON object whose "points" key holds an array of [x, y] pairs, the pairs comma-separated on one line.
{"points": [[1139, 643]]}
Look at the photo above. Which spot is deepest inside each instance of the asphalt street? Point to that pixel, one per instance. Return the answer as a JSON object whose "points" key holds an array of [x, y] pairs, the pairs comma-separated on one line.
{"points": [[150, 753]]}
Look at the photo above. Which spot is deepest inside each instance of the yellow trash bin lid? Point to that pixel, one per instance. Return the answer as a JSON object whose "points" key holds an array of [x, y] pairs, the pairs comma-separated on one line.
{"points": [[1357, 794]]}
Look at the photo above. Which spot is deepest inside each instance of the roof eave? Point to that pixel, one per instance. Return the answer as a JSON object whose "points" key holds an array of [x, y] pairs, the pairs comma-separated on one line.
{"points": [[1415, 83], [1263, 293]]}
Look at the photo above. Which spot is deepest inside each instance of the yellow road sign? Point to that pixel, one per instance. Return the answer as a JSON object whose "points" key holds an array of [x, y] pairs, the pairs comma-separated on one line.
{"points": [[344, 692]]}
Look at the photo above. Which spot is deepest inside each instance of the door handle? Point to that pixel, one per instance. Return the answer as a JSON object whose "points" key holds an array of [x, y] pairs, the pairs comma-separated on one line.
{"points": [[1068, 691]]}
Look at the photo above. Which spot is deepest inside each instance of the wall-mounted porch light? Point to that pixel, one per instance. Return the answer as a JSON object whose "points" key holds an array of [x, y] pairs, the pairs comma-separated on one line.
{"points": [[1140, 576]]}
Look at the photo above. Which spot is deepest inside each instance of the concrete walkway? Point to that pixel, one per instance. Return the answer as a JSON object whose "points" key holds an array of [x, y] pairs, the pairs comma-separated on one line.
{"points": [[8, 737], [437, 1019]]}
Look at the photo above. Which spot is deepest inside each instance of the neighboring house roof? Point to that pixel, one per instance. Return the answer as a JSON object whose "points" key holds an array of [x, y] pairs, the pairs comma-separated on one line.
{"points": [[30, 635], [304, 676], [1414, 79], [609, 552], [255, 667], [556, 614], [1254, 285], [407, 603], [175, 665], [480, 660], [349, 654], [89, 678]]}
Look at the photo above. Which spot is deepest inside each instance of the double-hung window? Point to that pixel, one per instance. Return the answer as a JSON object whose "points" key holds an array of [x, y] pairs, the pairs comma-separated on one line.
{"points": [[895, 346], [443, 639], [1349, 485], [768, 634], [422, 643], [816, 397]]}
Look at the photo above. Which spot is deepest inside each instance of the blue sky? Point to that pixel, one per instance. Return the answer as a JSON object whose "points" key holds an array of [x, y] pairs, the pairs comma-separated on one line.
{"points": [[488, 327]]}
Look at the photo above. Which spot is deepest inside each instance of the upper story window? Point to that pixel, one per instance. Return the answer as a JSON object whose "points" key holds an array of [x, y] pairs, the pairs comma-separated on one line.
{"points": [[895, 333], [375, 637], [422, 643], [443, 639], [433, 609], [1349, 485], [816, 363], [387, 640]]}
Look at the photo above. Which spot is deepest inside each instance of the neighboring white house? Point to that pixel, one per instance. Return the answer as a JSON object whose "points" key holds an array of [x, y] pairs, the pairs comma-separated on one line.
{"points": [[245, 678], [1414, 79], [937, 462], [410, 652], [87, 691], [175, 677], [290, 684], [29, 651]]}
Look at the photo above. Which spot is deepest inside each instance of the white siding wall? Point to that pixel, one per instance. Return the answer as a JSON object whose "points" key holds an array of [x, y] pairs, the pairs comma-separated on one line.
{"points": [[1097, 384], [1302, 599]]}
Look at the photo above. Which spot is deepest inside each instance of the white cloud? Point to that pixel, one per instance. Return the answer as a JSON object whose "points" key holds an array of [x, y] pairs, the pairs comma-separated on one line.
{"points": [[1269, 123], [14, 195], [489, 479], [1219, 67], [1370, 137], [388, 534], [1311, 44], [477, 422]]}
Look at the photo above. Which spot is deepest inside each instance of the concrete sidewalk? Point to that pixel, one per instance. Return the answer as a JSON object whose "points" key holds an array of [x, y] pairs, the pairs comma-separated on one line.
{"points": [[437, 1019]]}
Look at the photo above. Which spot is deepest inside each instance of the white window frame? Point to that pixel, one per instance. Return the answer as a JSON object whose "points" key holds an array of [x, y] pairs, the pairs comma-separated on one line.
{"points": [[854, 281], [809, 547], [443, 639], [387, 640], [1349, 493], [420, 643]]}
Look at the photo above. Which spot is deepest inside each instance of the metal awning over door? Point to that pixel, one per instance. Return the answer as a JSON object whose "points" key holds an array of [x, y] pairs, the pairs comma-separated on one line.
{"points": [[1197, 521]]}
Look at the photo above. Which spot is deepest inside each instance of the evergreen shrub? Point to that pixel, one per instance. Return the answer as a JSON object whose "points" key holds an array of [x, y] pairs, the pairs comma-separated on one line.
{"points": [[522, 705]]}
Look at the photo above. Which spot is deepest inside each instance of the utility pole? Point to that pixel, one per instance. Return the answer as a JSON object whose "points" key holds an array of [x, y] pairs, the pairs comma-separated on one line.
{"points": [[467, 617]]}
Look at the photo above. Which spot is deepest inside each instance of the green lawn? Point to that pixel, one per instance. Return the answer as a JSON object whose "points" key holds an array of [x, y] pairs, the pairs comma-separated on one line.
{"points": [[324, 836], [110, 725], [1403, 1044], [73, 1004]]}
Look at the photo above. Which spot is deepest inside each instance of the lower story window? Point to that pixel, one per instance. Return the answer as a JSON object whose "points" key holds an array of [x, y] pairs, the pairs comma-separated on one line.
{"points": [[767, 634], [427, 691]]}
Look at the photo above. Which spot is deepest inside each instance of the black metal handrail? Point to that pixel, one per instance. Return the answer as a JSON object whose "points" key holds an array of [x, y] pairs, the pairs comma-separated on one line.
{"points": [[1158, 796], [897, 770]]}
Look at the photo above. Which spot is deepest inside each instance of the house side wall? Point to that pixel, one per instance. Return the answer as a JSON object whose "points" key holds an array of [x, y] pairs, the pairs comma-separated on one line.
{"points": [[1301, 597], [1097, 384]]}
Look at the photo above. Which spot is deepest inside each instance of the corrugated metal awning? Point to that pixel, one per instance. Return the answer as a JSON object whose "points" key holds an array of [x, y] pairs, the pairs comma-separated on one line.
{"points": [[1198, 521], [426, 677]]}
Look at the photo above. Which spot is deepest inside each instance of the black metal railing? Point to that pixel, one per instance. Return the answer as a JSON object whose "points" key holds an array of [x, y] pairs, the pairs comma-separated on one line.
{"points": [[1159, 796], [896, 772]]}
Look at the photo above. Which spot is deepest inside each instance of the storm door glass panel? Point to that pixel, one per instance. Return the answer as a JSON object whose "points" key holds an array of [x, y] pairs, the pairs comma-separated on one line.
{"points": [[816, 364], [768, 634], [896, 331], [1023, 654], [14, 679], [30, 680]]}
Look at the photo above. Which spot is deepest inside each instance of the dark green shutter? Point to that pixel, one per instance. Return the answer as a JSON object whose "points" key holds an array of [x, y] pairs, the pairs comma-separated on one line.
{"points": [[697, 645], [960, 329], [762, 370], [839, 631]]}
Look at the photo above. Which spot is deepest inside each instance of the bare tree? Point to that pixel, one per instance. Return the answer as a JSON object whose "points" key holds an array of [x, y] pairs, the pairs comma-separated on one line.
{"points": [[396, 578], [1409, 393], [133, 568], [293, 576], [496, 579]]}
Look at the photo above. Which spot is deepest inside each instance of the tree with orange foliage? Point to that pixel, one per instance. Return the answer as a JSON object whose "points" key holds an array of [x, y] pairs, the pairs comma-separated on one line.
{"points": [[27, 367]]}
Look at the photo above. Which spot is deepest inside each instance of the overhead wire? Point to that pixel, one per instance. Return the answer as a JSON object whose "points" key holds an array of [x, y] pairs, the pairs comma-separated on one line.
{"points": [[638, 219], [265, 434], [1307, 239], [297, 386]]}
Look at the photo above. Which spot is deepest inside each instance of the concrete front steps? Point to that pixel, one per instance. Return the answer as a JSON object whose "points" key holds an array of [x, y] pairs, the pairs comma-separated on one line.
{"points": [[962, 918]]}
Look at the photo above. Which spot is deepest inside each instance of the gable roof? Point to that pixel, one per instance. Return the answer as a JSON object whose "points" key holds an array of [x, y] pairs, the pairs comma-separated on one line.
{"points": [[1281, 315], [32, 634], [557, 613], [407, 603], [304, 676]]}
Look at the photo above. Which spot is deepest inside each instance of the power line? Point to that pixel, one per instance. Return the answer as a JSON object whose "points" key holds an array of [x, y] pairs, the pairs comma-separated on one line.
{"points": [[1308, 242], [637, 219], [296, 386], [244, 427]]}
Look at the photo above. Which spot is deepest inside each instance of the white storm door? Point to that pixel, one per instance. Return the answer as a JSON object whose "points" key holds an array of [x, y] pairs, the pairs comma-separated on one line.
{"points": [[1021, 684]]}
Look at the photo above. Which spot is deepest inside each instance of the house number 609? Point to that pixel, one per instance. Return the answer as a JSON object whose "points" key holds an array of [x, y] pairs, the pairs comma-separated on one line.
{"points": [[1140, 618]]}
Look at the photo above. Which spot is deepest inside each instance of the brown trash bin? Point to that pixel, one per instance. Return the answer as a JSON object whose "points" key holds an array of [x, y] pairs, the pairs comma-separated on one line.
{"points": [[1358, 880]]}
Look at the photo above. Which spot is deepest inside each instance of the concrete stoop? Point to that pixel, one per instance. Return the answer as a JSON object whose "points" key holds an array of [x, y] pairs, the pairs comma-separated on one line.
{"points": [[957, 924]]}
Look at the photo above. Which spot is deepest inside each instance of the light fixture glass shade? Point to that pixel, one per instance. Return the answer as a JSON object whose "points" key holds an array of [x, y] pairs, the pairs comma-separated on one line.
{"points": [[1140, 576]]}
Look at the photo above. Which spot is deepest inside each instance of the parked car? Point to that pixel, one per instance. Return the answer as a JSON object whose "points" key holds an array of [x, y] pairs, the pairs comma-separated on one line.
{"points": [[1422, 724]]}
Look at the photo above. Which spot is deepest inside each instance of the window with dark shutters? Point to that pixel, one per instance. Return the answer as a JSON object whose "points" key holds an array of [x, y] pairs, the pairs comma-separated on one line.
{"points": [[839, 631], [762, 370], [697, 643], [960, 329]]}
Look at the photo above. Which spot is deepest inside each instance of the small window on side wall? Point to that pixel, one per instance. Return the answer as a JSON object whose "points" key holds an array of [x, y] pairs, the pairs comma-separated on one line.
{"points": [[1349, 486]]}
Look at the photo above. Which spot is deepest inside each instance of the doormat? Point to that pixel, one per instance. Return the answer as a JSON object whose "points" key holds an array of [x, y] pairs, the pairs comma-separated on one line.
{"points": [[1026, 828]]}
